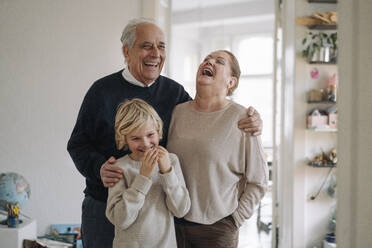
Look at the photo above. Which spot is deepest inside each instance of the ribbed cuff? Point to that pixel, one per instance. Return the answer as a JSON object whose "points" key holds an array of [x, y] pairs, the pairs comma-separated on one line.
{"points": [[142, 184], [169, 179], [238, 221]]}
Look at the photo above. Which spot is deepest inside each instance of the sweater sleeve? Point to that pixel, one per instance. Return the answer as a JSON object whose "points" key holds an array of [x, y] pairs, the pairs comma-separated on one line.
{"points": [[124, 204], [177, 196], [81, 144], [256, 174], [185, 97]]}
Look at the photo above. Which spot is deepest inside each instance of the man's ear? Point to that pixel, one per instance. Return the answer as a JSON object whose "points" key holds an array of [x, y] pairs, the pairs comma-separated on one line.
{"points": [[125, 52]]}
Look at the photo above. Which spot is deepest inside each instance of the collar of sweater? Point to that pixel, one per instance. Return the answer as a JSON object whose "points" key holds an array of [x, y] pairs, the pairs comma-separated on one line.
{"points": [[129, 77]]}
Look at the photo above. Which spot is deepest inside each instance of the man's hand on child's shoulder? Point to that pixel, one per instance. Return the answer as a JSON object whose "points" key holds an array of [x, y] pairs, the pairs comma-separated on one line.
{"points": [[110, 173]]}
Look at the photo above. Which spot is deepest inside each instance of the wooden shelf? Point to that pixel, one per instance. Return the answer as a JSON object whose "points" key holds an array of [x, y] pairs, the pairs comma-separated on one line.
{"points": [[322, 166], [322, 1], [321, 63], [323, 129], [322, 27], [321, 102]]}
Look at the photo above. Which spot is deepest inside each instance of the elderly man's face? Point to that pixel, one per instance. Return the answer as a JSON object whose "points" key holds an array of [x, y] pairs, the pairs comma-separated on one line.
{"points": [[146, 58]]}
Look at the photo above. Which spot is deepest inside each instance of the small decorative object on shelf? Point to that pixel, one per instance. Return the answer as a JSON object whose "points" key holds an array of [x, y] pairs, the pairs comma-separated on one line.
{"points": [[320, 47], [325, 159], [332, 117], [13, 211], [317, 119], [327, 95], [332, 88], [323, 120], [319, 20], [316, 96], [314, 73]]}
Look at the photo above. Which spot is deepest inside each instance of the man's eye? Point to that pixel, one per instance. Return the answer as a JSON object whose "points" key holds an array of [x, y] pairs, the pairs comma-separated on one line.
{"points": [[162, 47], [147, 46]]}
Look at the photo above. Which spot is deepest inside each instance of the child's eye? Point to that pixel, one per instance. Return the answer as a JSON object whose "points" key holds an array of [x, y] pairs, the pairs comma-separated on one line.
{"points": [[151, 134]]}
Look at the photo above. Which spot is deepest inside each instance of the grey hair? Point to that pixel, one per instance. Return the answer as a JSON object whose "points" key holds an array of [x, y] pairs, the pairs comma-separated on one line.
{"points": [[129, 33]]}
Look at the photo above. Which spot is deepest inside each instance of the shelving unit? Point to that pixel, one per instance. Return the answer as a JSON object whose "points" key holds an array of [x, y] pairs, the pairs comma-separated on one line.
{"points": [[322, 1], [322, 138]]}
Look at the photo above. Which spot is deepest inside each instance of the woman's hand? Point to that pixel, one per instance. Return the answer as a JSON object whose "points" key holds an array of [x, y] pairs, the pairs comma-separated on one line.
{"points": [[164, 162], [149, 162]]}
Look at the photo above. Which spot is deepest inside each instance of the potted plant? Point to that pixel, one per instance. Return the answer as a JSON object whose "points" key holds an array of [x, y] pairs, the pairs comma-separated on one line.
{"points": [[333, 41], [320, 47]]}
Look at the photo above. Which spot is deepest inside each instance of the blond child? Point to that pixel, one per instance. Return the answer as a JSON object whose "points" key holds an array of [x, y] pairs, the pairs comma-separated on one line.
{"points": [[152, 191]]}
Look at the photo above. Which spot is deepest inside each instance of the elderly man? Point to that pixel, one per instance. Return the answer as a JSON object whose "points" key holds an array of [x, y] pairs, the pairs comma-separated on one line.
{"points": [[92, 143]]}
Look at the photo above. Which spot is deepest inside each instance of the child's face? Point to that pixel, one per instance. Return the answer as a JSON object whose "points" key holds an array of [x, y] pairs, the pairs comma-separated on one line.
{"points": [[142, 139]]}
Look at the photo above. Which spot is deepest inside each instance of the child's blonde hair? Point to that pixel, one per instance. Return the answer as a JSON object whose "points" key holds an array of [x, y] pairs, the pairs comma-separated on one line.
{"points": [[132, 115]]}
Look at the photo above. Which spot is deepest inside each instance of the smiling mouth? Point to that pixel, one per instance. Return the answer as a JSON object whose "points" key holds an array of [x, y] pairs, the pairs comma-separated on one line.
{"points": [[151, 64], [207, 72], [144, 150]]}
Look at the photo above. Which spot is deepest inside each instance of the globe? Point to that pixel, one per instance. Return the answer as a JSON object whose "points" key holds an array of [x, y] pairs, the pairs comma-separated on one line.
{"points": [[14, 189]]}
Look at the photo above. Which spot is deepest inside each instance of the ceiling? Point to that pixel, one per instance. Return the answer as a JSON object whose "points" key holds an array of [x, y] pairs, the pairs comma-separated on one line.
{"points": [[212, 13], [183, 5]]}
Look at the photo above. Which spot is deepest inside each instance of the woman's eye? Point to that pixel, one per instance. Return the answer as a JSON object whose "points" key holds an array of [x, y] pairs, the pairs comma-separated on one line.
{"points": [[221, 62], [151, 134]]}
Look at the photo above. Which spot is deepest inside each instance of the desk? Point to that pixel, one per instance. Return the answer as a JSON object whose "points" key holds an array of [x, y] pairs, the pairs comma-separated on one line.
{"points": [[13, 237]]}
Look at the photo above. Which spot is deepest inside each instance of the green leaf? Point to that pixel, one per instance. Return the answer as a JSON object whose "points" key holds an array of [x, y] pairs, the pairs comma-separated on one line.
{"points": [[304, 41]]}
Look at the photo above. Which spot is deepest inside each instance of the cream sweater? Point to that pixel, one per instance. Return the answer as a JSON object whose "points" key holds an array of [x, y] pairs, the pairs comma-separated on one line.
{"points": [[142, 209], [224, 169]]}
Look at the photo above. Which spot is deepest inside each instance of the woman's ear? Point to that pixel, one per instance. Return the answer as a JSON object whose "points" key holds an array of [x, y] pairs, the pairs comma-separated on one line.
{"points": [[231, 83]]}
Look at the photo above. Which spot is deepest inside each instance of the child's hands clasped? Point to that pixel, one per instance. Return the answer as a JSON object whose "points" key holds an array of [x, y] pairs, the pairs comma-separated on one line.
{"points": [[157, 155], [149, 162], [163, 161]]}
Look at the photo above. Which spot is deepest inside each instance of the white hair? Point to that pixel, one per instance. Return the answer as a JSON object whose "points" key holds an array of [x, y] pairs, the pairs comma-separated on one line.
{"points": [[128, 36]]}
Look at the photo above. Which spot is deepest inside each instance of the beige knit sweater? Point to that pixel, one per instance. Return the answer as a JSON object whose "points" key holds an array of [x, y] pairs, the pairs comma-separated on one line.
{"points": [[142, 209], [224, 169]]}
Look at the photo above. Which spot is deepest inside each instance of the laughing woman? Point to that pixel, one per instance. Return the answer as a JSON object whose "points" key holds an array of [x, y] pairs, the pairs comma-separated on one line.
{"points": [[224, 168]]}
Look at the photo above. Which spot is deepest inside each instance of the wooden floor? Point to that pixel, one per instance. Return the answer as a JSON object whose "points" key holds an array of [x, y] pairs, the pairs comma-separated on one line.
{"points": [[249, 236]]}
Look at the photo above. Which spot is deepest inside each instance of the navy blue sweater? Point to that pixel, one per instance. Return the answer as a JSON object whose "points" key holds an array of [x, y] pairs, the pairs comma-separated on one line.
{"points": [[92, 141]]}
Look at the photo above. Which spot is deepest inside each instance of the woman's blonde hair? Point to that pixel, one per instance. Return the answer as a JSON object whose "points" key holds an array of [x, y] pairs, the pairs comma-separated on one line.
{"points": [[132, 115], [235, 70]]}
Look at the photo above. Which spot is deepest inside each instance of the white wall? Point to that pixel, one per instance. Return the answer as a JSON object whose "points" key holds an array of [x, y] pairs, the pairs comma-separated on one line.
{"points": [[355, 136], [50, 53]]}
